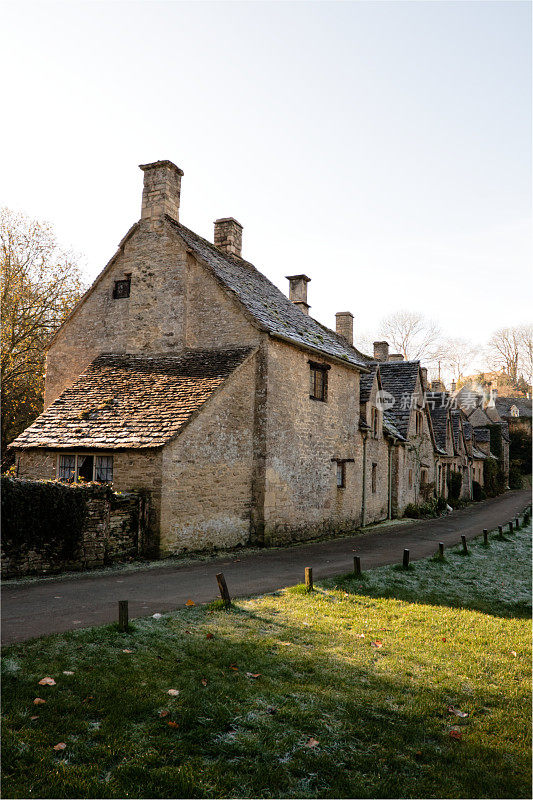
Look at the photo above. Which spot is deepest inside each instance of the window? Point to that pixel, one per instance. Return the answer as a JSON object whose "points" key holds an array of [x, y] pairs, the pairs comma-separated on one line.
{"points": [[86, 467], [67, 468], [375, 423], [423, 478], [410, 478], [341, 474], [419, 422], [374, 478], [122, 289], [318, 388]]}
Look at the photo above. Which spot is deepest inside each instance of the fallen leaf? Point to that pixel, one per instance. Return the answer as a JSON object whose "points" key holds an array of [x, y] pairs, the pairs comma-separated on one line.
{"points": [[47, 682], [34, 718], [272, 710], [359, 635], [157, 616], [253, 674], [60, 746], [513, 653], [210, 636], [173, 692], [234, 667], [187, 631], [457, 712], [456, 734], [311, 742], [190, 603], [443, 638], [204, 682], [88, 699], [39, 701], [67, 672], [127, 651], [163, 713], [172, 724], [377, 643]]}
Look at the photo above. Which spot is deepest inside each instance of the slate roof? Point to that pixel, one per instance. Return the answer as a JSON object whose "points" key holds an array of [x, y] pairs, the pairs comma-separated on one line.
{"points": [[504, 404], [132, 401], [366, 383], [391, 428], [478, 453], [399, 379], [482, 434], [467, 429], [456, 427], [437, 403], [266, 303]]}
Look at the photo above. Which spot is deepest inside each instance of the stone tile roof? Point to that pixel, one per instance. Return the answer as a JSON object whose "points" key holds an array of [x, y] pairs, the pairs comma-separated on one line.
{"points": [[399, 379], [467, 429], [366, 383], [478, 453], [456, 428], [504, 404], [266, 303], [481, 434], [132, 401], [391, 428], [437, 403]]}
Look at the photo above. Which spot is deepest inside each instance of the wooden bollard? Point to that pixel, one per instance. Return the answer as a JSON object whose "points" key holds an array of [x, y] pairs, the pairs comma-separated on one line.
{"points": [[517, 523], [500, 531], [510, 526], [465, 547], [123, 615], [223, 589], [357, 565], [485, 536], [441, 549], [405, 559], [309, 579]]}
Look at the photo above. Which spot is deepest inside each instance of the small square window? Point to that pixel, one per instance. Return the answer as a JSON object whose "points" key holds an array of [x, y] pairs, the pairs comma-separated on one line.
{"points": [[121, 289], [341, 475], [318, 375]]}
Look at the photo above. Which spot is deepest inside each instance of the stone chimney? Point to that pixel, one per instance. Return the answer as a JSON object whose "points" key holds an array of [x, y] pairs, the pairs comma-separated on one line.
{"points": [[344, 325], [381, 351], [298, 291], [424, 372], [228, 236], [396, 357], [454, 386], [161, 192]]}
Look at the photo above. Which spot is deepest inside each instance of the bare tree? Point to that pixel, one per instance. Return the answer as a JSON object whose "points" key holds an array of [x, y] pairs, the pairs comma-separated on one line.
{"points": [[40, 285], [504, 352], [412, 335], [524, 335], [457, 356]]}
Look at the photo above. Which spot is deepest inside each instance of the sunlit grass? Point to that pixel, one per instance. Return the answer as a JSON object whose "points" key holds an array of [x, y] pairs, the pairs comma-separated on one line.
{"points": [[379, 714]]}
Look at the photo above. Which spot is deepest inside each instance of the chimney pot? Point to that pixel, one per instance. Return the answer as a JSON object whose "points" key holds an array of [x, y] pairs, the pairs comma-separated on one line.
{"points": [[228, 235], [161, 191], [298, 291], [381, 351], [344, 325]]}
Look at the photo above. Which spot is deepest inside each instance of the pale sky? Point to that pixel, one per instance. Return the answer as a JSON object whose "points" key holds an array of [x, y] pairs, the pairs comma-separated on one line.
{"points": [[382, 148]]}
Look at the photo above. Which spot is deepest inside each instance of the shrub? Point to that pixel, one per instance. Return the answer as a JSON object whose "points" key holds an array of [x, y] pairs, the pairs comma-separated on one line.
{"points": [[494, 478], [455, 482], [478, 493], [441, 504], [43, 516], [433, 508], [515, 475], [520, 449]]}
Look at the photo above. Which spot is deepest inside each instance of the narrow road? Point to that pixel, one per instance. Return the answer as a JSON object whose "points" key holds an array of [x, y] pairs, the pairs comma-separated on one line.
{"points": [[54, 606]]}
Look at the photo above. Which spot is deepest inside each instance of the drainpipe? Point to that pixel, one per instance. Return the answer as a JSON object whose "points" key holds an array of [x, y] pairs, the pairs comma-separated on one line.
{"points": [[363, 501]]}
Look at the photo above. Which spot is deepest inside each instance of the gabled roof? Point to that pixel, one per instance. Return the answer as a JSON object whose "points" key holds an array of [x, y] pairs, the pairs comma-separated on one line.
{"points": [[481, 434], [478, 417], [132, 401], [438, 406], [504, 405], [266, 303], [456, 428], [366, 383], [390, 428], [478, 453], [399, 379]]}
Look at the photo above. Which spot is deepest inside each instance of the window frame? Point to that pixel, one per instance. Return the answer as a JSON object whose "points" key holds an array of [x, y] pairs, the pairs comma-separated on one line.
{"points": [[374, 477], [126, 281], [95, 456], [374, 419], [314, 368], [341, 473]]}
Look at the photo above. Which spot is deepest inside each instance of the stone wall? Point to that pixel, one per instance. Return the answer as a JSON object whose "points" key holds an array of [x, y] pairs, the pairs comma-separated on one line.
{"points": [[112, 530], [207, 489], [300, 438]]}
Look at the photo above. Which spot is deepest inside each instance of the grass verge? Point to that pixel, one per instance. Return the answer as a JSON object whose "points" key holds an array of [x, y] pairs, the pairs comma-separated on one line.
{"points": [[342, 692]]}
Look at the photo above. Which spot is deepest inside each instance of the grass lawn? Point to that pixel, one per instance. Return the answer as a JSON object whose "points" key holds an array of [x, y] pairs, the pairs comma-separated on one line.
{"points": [[344, 692]]}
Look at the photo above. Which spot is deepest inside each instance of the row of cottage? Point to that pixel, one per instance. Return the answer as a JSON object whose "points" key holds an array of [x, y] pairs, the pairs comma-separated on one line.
{"points": [[184, 372]]}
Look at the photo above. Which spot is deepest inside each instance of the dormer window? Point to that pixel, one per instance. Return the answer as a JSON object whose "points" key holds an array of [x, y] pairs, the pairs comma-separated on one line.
{"points": [[122, 289], [318, 376]]}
